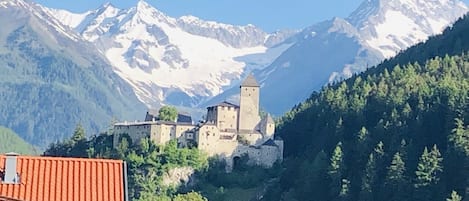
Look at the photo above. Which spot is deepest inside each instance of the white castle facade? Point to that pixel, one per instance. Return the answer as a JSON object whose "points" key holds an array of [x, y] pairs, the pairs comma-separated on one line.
{"points": [[228, 132]]}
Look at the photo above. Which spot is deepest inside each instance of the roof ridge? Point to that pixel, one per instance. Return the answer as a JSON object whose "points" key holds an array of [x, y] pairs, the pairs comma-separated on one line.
{"points": [[250, 81], [66, 158]]}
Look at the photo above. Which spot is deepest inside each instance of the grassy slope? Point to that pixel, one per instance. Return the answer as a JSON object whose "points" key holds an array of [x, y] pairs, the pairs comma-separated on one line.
{"points": [[11, 142]]}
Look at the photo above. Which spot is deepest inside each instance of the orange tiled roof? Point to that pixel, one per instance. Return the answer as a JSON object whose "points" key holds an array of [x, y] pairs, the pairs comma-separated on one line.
{"points": [[65, 179]]}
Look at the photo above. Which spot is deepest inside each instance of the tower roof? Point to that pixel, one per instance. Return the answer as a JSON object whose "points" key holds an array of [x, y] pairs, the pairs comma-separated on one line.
{"points": [[269, 119], [250, 81]]}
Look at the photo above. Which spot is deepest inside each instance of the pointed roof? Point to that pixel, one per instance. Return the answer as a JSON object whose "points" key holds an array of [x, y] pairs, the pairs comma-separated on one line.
{"points": [[269, 119], [250, 81]]}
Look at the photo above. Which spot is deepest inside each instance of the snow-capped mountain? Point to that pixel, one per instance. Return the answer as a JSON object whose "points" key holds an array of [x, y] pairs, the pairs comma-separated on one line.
{"points": [[177, 61], [337, 48], [392, 25]]}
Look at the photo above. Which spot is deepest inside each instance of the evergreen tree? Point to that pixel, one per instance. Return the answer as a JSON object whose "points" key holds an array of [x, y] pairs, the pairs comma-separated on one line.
{"points": [[460, 137], [427, 173], [78, 135], [395, 183], [344, 193], [368, 179], [335, 170], [454, 197], [396, 170]]}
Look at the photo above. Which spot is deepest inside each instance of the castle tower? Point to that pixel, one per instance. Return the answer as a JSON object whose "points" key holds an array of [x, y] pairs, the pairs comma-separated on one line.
{"points": [[267, 127], [249, 104]]}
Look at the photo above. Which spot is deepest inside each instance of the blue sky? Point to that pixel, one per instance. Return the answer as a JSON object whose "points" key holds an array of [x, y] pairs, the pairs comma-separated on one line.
{"points": [[269, 15]]}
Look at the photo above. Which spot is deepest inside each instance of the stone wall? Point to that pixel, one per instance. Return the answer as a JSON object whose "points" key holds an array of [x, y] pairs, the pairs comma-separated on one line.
{"points": [[135, 131], [227, 118]]}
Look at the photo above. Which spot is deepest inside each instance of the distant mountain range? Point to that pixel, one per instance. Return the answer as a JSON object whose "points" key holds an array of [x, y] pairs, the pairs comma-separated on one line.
{"points": [[338, 48], [180, 61], [188, 61], [106, 62]]}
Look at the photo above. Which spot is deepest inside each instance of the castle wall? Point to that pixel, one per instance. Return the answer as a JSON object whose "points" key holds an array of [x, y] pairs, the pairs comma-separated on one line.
{"points": [[136, 132], [251, 138], [264, 156], [227, 118], [181, 131]]}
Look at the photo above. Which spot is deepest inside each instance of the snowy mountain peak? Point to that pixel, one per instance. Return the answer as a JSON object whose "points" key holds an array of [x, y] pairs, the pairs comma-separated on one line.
{"points": [[142, 4], [12, 3], [392, 25]]}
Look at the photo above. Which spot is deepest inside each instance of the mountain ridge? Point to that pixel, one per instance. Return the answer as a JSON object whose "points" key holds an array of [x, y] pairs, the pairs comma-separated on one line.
{"points": [[144, 41], [373, 38], [53, 81]]}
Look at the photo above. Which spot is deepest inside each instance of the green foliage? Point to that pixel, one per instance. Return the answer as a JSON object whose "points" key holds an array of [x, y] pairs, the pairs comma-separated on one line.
{"points": [[383, 119], [218, 185], [11, 142], [428, 168], [454, 197], [459, 137], [78, 135], [167, 113], [192, 196], [45, 88], [147, 162]]}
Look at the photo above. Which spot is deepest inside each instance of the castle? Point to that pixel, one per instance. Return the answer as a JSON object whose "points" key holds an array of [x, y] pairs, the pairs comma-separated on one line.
{"points": [[229, 131]]}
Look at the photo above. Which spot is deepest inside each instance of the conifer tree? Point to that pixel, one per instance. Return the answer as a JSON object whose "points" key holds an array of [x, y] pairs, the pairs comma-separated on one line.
{"points": [[396, 170], [368, 178], [428, 168], [335, 171], [454, 197], [78, 134], [460, 137], [395, 182], [427, 173]]}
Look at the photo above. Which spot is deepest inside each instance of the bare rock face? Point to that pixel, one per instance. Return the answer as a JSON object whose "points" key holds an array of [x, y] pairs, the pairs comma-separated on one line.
{"points": [[178, 176]]}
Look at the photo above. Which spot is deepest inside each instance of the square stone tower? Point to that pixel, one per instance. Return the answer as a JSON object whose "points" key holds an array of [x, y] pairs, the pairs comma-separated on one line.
{"points": [[249, 104]]}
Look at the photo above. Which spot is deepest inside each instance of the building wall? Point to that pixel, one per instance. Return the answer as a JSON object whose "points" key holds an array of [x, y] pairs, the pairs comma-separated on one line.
{"points": [[211, 115], [227, 118], [181, 131], [249, 108], [252, 138], [264, 156], [136, 132]]}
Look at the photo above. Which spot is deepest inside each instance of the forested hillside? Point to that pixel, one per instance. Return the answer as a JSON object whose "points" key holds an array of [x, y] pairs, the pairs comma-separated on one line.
{"points": [[11, 142], [49, 82], [398, 131]]}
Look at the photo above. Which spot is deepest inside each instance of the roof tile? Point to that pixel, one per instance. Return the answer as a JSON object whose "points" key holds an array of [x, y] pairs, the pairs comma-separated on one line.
{"points": [[57, 179]]}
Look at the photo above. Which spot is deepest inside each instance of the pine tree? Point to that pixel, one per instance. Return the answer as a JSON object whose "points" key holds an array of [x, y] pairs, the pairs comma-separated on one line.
{"points": [[427, 173], [395, 182], [396, 170], [428, 168], [460, 137], [344, 193], [454, 197], [368, 179], [335, 171], [78, 134]]}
